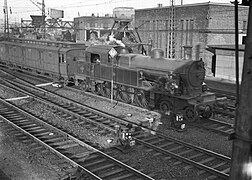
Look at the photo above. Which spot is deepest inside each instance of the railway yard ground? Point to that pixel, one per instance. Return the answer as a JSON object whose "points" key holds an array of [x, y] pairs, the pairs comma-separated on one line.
{"points": [[19, 161]]}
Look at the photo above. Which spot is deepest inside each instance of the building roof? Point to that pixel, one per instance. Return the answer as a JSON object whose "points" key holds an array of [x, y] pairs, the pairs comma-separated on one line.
{"points": [[195, 4], [231, 47]]}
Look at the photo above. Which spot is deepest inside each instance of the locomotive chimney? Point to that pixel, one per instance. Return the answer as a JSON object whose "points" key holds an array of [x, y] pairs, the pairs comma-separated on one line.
{"points": [[187, 52]]}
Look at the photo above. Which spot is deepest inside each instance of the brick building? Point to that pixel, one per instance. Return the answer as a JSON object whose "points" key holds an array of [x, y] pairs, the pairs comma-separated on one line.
{"points": [[204, 23], [87, 26]]}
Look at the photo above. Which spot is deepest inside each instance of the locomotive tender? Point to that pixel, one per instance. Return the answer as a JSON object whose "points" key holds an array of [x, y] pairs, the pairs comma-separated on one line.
{"points": [[147, 81]]}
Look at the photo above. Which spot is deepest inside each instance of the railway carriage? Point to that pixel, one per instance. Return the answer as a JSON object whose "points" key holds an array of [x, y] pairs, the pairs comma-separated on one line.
{"points": [[56, 59]]}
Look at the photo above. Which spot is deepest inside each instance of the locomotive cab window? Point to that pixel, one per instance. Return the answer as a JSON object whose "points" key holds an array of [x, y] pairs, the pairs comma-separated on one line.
{"points": [[95, 59]]}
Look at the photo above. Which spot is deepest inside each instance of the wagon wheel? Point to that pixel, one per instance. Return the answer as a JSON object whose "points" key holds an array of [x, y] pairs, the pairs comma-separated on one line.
{"points": [[107, 90], [84, 86], [190, 114], [141, 98], [165, 106], [119, 93], [126, 94], [99, 89]]}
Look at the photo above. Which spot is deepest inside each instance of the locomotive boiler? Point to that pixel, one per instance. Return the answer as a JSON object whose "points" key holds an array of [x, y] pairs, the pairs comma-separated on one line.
{"points": [[147, 81]]}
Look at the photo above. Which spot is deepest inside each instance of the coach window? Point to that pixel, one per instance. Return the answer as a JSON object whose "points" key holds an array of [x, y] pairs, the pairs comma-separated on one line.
{"points": [[63, 58]]}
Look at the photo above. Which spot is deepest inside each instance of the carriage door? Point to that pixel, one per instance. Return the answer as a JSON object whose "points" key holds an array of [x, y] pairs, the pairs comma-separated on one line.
{"points": [[62, 65]]}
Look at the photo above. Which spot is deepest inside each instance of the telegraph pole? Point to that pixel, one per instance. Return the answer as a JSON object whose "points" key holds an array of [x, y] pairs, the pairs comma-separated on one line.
{"points": [[242, 143], [6, 19], [43, 18]]}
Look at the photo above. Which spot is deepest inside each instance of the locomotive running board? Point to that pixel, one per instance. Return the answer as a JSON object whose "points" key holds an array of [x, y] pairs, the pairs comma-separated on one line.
{"points": [[17, 98], [45, 84]]}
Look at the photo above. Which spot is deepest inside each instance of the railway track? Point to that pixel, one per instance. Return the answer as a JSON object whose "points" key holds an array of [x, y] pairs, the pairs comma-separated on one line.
{"points": [[215, 125], [211, 165], [93, 162], [220, 93], [211, 124]]}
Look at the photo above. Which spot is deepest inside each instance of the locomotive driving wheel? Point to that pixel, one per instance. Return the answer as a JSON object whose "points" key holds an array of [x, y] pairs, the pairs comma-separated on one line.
{"points": [[190, 115], [141, 98], [125, 94], [99, 89], [165, 106], [107, 90]]}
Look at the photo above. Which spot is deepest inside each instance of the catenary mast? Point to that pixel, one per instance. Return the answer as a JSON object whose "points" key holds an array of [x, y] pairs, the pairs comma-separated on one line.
{"points": [[171, 42]]}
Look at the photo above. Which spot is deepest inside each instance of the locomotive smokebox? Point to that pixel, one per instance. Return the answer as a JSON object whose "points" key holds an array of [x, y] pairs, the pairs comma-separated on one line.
{"points": [[157, 53]]}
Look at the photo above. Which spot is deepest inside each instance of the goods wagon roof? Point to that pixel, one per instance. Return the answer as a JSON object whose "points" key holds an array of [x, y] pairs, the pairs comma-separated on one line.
{"points": [[161, 64]]}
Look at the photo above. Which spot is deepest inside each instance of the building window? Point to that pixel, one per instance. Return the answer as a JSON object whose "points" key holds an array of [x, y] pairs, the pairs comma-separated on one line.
{"points": [[166, 24], [244, 25]]}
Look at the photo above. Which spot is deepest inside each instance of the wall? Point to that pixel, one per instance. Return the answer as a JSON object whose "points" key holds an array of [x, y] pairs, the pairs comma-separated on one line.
{"points": [[225, 64]]}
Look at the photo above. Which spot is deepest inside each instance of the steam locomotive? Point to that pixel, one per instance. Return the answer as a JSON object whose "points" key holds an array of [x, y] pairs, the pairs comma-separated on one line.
{"points": [[116, 72]]}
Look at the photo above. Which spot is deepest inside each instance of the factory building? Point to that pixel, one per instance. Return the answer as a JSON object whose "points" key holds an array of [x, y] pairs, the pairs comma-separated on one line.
{"points": [[88, 27], [188, 25]]}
